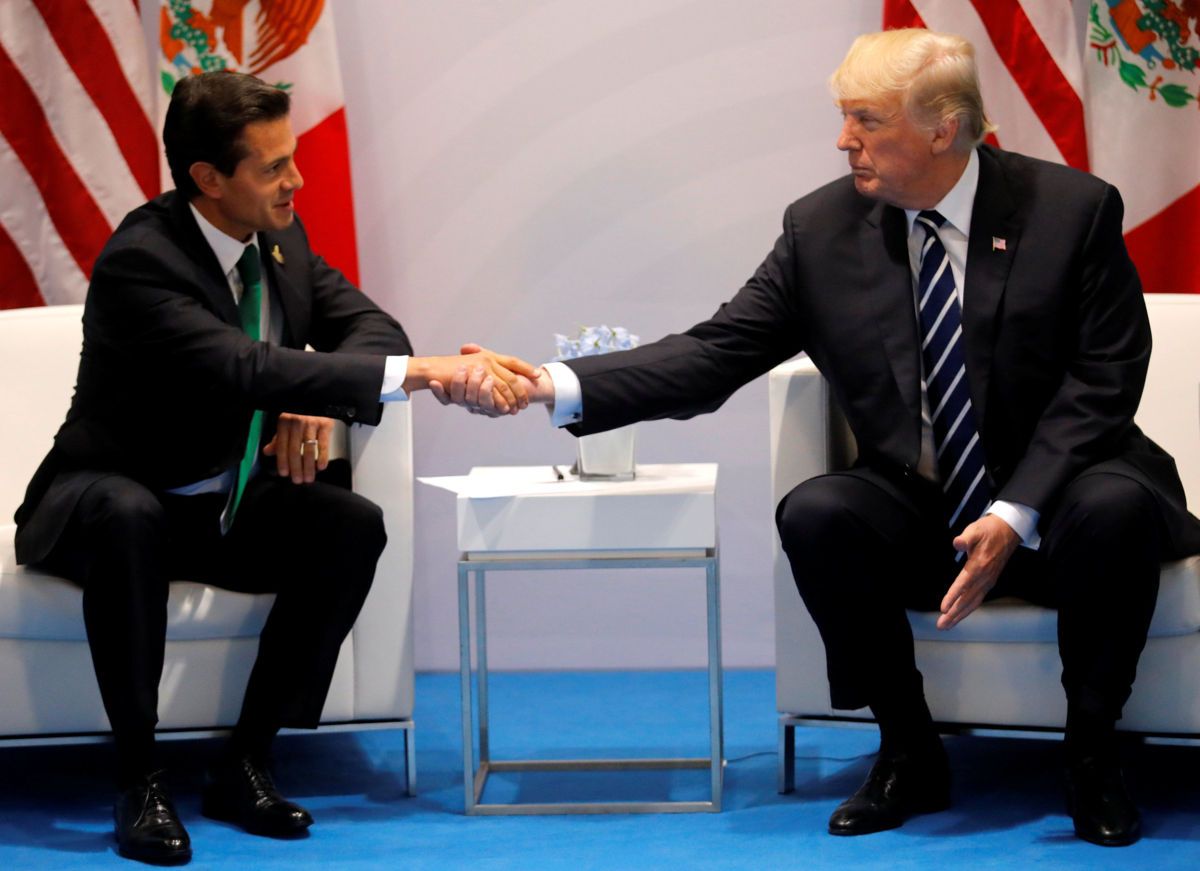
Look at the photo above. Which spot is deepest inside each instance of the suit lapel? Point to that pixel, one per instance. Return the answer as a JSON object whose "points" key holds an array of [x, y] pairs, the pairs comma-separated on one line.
{"points": [[888, 281], [994, 239], [194, 245]]}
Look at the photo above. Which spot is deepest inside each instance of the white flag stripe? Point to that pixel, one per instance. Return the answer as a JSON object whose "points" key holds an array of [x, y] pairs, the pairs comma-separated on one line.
{"points": [[77, 124], [55, 270], [1020, 128], [124, 30], [312, 72], [1056, 27]]}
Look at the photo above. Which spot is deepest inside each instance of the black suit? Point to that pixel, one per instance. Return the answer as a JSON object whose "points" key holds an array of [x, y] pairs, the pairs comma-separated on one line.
{"points": [[167, 385], [1057, 343]]}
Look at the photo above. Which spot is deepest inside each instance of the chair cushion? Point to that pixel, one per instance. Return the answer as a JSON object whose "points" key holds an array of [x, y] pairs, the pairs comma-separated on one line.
{"points": [[1016, 621], [36, 605]]}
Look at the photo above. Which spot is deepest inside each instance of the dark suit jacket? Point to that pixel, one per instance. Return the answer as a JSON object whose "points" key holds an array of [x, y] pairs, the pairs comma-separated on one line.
{"points": [[167, 379], [1056, 335]]}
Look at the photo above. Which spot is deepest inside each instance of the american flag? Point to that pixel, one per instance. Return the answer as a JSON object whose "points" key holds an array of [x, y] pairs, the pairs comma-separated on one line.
{"points": [[77, 146]]}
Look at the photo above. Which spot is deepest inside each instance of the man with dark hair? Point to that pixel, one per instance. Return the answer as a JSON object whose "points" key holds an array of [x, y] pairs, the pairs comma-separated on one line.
{"points": [[193, 368], [201, 128], [982, 327]]}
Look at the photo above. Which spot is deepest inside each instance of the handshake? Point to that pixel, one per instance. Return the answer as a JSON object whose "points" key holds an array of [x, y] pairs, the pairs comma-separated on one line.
{"points": [[481, 381]]}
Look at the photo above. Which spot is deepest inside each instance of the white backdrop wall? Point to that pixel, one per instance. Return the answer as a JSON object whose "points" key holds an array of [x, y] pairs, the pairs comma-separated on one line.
{"points": [[522, 167]]}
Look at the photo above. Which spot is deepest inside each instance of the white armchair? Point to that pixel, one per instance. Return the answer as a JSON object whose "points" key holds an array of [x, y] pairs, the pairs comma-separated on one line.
{"points": [[46, 677], [1000, 667]]}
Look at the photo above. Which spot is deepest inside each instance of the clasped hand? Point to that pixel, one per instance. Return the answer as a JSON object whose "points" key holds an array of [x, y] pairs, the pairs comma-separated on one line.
{"points": [[484, 387], [482, 380]]}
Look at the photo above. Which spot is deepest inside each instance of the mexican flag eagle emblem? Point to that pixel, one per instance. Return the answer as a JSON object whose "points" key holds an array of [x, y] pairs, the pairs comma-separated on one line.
{"points": [[197, 40], [1152, 44]]}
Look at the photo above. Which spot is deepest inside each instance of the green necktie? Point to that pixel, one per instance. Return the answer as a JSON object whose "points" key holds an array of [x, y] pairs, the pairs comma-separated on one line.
{"points": [[249, 267]]}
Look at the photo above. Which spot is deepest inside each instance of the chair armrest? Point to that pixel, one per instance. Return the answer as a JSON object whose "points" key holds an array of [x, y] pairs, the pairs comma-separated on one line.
{"points": [[808, 434], [808, 438], [382, 468]]}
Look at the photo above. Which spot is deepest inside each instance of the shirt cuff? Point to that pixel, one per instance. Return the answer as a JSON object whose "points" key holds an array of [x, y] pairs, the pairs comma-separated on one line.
{"points": [[395, 370], [1022, 519], [568, 395]]}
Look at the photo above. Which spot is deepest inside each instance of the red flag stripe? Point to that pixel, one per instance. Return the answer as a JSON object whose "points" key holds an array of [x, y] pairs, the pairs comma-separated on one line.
{"points": [[1038, 76], [80, 37], [326, 203], [900, 13], [78, 219], [20, 287], [1165, 267]]}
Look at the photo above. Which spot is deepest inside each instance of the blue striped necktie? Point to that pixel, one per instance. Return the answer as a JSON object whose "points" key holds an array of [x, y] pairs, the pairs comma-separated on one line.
{"points": [[960, 459]]}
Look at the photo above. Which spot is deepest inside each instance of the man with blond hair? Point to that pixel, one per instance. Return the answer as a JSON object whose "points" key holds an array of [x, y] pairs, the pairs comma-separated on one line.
{"points": [[982, 327]]}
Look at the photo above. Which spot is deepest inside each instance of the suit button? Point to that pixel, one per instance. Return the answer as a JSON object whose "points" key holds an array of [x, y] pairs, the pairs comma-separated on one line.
{"points": [[350, 413]]}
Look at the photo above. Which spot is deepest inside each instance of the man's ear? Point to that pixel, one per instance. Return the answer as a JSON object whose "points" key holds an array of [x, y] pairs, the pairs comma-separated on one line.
{"points": [[207, 178], [944, 135]]}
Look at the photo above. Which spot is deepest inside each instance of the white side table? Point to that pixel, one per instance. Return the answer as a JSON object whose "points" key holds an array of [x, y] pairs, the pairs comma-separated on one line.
{"points": [[522, 518]]}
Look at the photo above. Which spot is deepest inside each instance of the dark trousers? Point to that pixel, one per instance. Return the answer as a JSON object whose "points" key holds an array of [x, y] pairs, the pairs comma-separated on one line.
{"points": [[864, 546], [315, 546]]}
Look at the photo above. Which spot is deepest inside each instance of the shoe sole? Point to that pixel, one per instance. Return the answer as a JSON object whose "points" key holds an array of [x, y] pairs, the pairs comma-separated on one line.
{"points": [[932, 806], [854, 833], [207, 811], [1124, 841], [179, 858]]}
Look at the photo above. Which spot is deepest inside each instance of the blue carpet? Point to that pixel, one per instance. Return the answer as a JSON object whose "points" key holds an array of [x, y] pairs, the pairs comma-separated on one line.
{"points": [[55, 801]]}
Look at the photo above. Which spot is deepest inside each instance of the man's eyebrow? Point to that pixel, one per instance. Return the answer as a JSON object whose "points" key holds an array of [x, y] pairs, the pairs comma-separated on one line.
{"points": [[281, 158]]}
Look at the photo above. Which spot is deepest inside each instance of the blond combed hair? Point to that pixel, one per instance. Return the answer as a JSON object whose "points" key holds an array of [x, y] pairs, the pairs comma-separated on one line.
{"points": [[933, 74]]}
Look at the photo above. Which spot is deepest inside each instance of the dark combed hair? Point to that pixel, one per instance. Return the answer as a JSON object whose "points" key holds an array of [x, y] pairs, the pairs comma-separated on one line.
{"points": [[206, 117]]}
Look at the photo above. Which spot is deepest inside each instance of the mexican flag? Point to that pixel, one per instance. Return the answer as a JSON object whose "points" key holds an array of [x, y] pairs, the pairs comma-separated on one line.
{"points": [[290, 44], [1143, 112]]}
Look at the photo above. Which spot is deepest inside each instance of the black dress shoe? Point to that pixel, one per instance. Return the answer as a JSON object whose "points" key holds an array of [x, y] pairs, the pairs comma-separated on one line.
{"points": [[147, 827], [242, 792], [899, 786], [1100, 804]]}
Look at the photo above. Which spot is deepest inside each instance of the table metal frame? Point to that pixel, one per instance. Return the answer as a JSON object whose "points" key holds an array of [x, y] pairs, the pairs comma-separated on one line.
{"points": [[475, 777]]}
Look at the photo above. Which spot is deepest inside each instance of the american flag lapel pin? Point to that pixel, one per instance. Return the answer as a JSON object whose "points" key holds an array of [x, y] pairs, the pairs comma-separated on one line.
{"points": [[999, 244]]}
